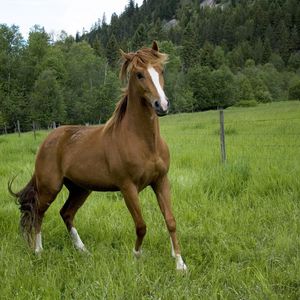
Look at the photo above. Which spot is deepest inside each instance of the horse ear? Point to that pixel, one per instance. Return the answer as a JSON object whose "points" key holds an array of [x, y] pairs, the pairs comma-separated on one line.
{"points": [[155, 46], [126, 56], [126, 61], [123, 54]]}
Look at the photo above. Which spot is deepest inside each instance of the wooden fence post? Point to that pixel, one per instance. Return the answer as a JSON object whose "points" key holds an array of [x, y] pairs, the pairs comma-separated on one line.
{"points": [[222, 136], [18, 128], [5, 128]]}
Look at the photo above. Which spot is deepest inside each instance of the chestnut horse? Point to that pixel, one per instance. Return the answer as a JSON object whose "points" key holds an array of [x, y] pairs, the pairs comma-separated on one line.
{"points": [[126, 154]]}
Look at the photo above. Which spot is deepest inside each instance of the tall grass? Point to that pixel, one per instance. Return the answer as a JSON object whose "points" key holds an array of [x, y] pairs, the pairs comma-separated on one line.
{"points": [[238, 223]]}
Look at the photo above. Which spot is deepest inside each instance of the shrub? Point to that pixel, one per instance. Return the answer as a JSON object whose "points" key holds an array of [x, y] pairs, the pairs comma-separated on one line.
{"points": [[246, 103], [294, 90]]}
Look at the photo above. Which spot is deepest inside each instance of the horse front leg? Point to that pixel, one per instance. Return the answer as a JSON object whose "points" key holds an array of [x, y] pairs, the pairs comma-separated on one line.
{"points": [[131, 198], [162, 191]]}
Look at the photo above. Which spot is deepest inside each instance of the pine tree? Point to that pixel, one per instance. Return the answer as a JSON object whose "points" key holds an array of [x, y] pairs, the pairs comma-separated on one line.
{"points": [[267, 50], [112, 51], [283, 42], [140, 37], [189, 50], [258, 51], [207, 55], [97, 46], [295, 40]]}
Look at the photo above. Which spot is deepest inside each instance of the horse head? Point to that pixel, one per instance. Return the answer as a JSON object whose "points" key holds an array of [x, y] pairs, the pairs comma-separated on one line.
{"points": [[145, 72]]}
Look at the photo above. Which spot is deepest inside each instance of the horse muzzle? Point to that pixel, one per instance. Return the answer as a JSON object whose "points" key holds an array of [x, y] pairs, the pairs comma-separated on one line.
{"points": [[159, 109]]}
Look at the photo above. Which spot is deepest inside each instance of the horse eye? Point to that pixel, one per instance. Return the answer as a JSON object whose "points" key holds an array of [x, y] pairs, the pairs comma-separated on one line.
{"points": [[139, 75]]}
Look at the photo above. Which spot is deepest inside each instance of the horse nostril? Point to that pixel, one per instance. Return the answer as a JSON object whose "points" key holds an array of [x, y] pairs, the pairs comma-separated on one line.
{"points": [[156, 104]]}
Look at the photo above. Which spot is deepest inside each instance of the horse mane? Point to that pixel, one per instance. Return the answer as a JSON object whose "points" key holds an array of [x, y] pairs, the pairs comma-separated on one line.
{"points": [[131, 60], [118, 114]]}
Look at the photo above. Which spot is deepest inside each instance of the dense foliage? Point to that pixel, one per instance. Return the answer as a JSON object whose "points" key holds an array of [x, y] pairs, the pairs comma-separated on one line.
{"points": [[230, 53]]}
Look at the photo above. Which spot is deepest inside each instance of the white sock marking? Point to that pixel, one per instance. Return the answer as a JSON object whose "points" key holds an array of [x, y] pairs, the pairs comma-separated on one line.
{"points": [[172, 249], [77, 240], [38, 243], [155, 78], [138, 253], [180, 265]]}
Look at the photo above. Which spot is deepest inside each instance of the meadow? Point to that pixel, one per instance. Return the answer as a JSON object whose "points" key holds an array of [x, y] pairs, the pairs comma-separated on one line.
{"points": [[238, 223]]}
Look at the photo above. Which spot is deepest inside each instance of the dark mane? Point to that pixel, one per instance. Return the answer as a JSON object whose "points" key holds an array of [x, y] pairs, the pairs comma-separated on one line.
{"points": [[118, 114]]}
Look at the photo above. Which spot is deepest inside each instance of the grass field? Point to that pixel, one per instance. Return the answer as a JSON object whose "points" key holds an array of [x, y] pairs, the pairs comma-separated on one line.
{"points": [[238, 223]]}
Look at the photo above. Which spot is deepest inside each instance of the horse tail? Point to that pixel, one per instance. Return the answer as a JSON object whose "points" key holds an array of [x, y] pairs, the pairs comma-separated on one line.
{"points": [[27, 200]]}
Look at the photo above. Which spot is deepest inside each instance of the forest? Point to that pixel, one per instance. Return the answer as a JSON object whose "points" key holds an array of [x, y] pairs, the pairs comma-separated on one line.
{"points": [[234, 52]]}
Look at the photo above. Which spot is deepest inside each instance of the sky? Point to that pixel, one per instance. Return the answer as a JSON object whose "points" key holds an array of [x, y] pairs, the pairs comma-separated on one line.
{"points": [[56, 15]]}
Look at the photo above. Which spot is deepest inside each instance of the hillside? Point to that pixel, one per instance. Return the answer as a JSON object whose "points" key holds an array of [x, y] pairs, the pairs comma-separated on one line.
{"points": [[226, 41], [221, 53]]}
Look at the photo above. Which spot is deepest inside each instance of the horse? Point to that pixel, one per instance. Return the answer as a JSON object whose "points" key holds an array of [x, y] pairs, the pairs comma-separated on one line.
{"points": [[126, 154]]}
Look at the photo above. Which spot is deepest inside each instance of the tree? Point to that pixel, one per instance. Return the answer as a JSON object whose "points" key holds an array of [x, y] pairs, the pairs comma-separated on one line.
{"points": [[47, 101], [277, 61], [222, 87], [12, 99], [294, 90], [98, 47], [218, 57], [242, 88], [140, 38], [260, 89], [274, 81], [283, 42], [189, 51], [258, 51], [172, 70], [156, 32], [112, 51], [267, 50], [38, 46], [294, 61], [54, 60], [200, 82], [85, 76], [108, 96], [207, 55], [236, 58], [295, 39]]}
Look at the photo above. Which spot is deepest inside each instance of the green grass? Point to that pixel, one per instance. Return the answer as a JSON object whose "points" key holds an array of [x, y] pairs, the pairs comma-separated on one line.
{"points": [[238, 223]]}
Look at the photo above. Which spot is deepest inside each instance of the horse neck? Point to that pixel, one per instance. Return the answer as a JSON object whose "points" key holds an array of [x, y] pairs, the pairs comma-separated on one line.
{"points": [[141, 119]]}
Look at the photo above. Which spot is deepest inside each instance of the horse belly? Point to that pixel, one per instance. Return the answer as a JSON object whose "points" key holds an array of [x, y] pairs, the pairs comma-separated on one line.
{"points": [[91, 175]]}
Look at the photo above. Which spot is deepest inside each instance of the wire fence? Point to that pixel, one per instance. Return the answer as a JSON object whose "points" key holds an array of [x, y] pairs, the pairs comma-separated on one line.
{"points": [[230, 132]]}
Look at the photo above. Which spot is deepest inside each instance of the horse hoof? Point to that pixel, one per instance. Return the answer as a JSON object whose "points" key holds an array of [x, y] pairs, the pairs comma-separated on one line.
{"points": [[137, 254], [180, 265], [38, 251], [82, 249]]}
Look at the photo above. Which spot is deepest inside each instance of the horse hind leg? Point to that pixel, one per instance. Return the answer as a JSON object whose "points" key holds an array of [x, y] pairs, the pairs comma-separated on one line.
{"points": [[33, 203], [45, 199], [77, 197]]}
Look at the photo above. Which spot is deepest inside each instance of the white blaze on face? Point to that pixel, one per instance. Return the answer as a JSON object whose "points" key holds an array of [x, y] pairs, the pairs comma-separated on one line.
{"points": [[155, 79]]}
